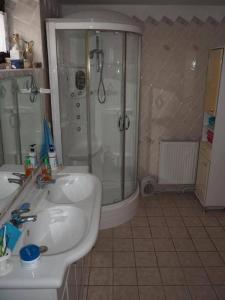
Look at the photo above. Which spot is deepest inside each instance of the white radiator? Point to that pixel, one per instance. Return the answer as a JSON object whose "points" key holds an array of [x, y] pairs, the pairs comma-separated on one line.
{"points": [[177, 162]]}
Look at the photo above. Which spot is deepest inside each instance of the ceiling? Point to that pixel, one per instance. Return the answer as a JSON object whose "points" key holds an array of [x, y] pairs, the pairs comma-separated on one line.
{"points": [[146, 2]]}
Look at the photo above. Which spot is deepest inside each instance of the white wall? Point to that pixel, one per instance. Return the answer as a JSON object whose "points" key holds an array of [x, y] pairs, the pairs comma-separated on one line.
{"points": [[155, 11]]}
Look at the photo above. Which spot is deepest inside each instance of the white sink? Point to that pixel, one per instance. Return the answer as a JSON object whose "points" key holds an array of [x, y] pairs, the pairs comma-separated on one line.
{"points": [[72, 188], [68, 215], [59, 228], [8, 190]]}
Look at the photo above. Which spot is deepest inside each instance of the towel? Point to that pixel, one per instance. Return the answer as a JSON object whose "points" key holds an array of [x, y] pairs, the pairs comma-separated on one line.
{"points": [[46, 140]]}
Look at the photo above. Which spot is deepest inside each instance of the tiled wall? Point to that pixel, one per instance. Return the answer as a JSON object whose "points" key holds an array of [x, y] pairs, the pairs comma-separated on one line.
{"points": [[24, 19], [174, 64]]}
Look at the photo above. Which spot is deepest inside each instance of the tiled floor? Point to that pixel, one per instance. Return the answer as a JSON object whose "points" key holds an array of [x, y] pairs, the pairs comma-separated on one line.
{"points": [[170, 250]]}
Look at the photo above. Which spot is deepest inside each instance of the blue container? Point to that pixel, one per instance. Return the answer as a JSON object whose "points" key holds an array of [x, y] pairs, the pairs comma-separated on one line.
{"points": [[17, 64]]}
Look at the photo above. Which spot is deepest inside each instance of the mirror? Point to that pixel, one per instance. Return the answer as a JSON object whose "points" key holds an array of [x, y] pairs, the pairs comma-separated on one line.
{"points": [[21, 119]]}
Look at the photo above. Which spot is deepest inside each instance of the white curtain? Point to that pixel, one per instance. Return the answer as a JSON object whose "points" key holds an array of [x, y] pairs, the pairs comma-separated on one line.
{"points": [[4, 43]]}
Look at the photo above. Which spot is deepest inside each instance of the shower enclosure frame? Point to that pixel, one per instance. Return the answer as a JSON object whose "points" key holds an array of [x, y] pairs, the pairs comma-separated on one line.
{"points": [[52, 26]]}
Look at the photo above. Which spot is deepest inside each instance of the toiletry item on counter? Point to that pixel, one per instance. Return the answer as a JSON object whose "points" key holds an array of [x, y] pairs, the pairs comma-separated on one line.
{"points": [[5, 265], [28, 54], [29, 256], [33, 156], [17, 63], [210, 135], [52, 158], [12, 235], [46, 170], [28, 168], [16, 51]]}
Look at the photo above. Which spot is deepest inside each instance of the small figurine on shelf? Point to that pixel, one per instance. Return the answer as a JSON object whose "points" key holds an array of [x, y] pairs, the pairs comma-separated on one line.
{"points": [[16, 53], [28, 54]]}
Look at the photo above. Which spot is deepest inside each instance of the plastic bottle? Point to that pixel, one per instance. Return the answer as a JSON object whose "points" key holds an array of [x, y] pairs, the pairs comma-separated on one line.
{"points": [[52, 158], [33, 156], [46, 170], [28, 167]]}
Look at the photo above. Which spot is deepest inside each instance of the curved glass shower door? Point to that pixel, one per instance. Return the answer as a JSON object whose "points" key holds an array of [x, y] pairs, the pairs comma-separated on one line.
{"points": [[106, 63]]}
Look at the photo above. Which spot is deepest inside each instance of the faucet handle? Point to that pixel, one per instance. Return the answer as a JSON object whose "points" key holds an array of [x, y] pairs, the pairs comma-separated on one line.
{"points": [[22, 176], [17, 212]]}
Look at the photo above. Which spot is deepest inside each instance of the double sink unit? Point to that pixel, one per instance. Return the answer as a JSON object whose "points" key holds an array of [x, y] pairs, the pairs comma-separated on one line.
{"points": [[63, 220]]}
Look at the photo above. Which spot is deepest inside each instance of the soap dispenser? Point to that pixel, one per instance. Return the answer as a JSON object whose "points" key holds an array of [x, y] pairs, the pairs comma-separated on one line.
{"points": [[52, 158], [33, 156]]}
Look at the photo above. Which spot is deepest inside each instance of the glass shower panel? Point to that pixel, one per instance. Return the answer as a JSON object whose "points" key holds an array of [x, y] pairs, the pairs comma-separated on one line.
{"points": [[10, 140], [131, 115], [71, 62], [106, 106], [30, 117]]}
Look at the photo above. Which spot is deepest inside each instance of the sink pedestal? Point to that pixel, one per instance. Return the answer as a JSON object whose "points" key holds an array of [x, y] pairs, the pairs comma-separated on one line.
{"points": [[71, 289]]}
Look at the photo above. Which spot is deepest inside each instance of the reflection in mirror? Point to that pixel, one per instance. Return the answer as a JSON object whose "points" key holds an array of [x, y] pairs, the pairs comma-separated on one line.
{"points": [[20, 127], [21, 120]]}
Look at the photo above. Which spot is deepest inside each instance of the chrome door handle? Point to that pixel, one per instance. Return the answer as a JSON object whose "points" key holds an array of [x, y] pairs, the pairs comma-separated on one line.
{"points": [[121, 123], [127, 122]]}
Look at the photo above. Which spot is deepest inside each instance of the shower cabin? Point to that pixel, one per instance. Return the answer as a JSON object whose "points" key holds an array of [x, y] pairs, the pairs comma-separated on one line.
{"points": [[94, 68]]}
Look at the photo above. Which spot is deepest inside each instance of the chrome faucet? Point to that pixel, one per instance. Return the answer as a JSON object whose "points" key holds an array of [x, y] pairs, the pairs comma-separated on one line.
{"points": [[20, 180], [17, 218], [42, 182]]}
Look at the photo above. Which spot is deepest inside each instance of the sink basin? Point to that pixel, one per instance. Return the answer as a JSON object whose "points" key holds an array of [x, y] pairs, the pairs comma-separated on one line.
{"points": [[72, 188], [7, 189], [59, 228]]}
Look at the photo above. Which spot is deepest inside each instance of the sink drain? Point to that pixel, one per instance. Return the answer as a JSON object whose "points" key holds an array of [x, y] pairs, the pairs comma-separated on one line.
{"points": [[43, 249]]}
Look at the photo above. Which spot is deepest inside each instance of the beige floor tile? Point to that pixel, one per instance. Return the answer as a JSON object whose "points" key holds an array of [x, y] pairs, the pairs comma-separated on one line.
{"points": [[122, 232], [204, 245], [157, 221], [101, 259], [211, 259], [143, 245], [125, 293], [160, 232], [219, 243], [145, 259], [192, 221], [174, 221], [101, 276], [197, 233], [152, 203], [209, 221], [124, 276], [172, 276], [154, 212], [221, 220], [141, 232], [151, 293], [187, 201], [177, 293], [167, 203], [191, 211], [148, 276], [167, 259], [189, 259], [123, 244], [99, 293], [123, 259], [103, 245], [183, 245], [220, 291], [141, 212], [163, 245], [202, 293], [222, 254], [216, 275], [196, 276], [178, 232], [105, 233], [170, 212], [139, 221], [216, 232], [84, 293]]}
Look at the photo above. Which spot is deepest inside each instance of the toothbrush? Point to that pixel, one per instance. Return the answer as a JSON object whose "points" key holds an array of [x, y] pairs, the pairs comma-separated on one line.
{"points": [[4, 240]]}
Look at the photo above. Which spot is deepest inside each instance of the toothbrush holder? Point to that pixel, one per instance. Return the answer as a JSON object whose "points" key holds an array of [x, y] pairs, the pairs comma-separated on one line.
{"points": [[5, 264]]}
